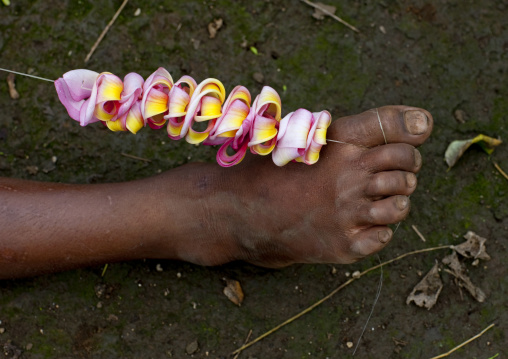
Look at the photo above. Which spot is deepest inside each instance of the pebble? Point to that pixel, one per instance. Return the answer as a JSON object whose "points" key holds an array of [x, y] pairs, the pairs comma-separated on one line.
{"points": [[258, 77], [349, 345], [2, 330], [192, 347], [29, 346], [356, 274]]}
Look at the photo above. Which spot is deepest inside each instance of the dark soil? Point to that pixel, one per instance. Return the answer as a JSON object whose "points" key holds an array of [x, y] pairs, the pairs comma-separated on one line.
{"points": [[442, 55]]}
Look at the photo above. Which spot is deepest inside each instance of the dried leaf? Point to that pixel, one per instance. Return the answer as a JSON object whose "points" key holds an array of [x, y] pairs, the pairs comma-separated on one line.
{"points": [[458, 271], [457, 148], [426, 292], [474, 247], [320, 15], [12, 86], [233, 291], [213, 27]]}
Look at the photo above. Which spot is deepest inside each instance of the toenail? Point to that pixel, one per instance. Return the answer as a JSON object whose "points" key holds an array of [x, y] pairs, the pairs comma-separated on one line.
{"points": [[383, 236], [411, 180], [401, 202], [418, 159], [416, 122]]}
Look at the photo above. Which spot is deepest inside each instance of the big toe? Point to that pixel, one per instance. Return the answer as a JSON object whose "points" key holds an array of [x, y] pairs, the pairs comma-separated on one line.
{"points": [[389, 124]]}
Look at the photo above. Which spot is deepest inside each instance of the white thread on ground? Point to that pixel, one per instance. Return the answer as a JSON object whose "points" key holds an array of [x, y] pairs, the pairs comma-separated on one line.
{"points": [[373, 306]]}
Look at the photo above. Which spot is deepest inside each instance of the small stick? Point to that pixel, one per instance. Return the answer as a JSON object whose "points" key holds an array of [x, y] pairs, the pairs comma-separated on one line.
{"points": [[500, 170], [466, 342], [418, 232], [246, 340], [106, 29], [335, 291], [331, 15], [136, 157]]}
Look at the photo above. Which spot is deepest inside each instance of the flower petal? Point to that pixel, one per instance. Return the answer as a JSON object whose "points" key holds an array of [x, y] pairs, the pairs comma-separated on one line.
{"points": [[74, 88], [134, 121], [80, 83], [109, 87], [226, 160], [234, 112], [283, 155], [296, 130]]}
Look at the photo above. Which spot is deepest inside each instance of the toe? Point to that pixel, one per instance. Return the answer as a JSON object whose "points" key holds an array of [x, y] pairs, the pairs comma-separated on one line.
{"points": [[386, 211], [396, 124], [396, 156], [391, 183], [371, 241]]}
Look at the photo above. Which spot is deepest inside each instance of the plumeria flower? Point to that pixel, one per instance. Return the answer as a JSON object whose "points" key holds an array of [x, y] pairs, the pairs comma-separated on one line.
{"points": [[129, 115], [179, 99], [74, 88], [154, 105], [205, 105], [265, 116], [301, 136], [235, 111]]}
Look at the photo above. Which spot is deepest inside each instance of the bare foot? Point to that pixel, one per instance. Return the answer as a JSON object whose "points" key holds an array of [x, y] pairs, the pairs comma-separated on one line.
{"points": [[335, 211]]}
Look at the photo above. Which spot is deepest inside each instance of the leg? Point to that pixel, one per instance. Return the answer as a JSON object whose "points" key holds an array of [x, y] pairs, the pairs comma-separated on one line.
{"points": [[334, 211]]}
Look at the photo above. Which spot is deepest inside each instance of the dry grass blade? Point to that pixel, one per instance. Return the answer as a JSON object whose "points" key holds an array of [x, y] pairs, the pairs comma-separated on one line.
{"points": [[503, 173], [466, 342], [106, 29], [135, 157], [246, 340], [335, 291], [418, 233], [316, 6]]}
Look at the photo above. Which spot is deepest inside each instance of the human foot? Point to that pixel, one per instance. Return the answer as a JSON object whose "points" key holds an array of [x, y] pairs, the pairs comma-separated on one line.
{"points": [[335, 211]]}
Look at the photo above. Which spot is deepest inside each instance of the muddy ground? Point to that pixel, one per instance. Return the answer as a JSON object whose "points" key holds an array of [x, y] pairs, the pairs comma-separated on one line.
{"points": [[441, 55]]}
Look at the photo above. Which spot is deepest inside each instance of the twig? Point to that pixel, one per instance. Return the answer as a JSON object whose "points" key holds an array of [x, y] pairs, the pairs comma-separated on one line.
{"points": [[320, 8], [246, 340], [418, 232], [135, 157], [466, 342], [335, 291], [106, 29], [500, 170]]}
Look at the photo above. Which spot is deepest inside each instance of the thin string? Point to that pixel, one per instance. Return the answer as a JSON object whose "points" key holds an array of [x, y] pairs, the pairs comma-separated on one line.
{"points": [[27, 75], [381, 125], [373, 304]]}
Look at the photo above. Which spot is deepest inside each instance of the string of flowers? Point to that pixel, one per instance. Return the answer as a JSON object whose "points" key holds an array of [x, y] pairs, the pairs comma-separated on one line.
{"points": [[233, 123]]}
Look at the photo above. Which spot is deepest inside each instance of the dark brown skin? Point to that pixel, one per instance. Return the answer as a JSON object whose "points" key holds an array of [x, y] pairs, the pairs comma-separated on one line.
{"points": [[335, 211]]}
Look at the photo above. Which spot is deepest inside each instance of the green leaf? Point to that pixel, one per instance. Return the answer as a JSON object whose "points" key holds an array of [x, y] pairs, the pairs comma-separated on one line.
{"points": [[6, 2], [254, 50], [456, 149]]}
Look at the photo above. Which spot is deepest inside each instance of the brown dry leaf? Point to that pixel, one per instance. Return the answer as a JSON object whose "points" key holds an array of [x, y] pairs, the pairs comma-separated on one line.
{"points": [[12, 86], [426, 292], [214, 26], [474, 247], [233, 291], [320, 15], [458, 271]]}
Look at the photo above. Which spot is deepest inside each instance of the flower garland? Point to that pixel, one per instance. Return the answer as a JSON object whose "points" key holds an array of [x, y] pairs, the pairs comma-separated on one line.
{"points": [[233, 123]]}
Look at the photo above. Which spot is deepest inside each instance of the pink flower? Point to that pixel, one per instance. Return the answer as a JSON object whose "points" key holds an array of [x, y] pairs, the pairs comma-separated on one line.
{"points": [[301, 136], [154, 105]]}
